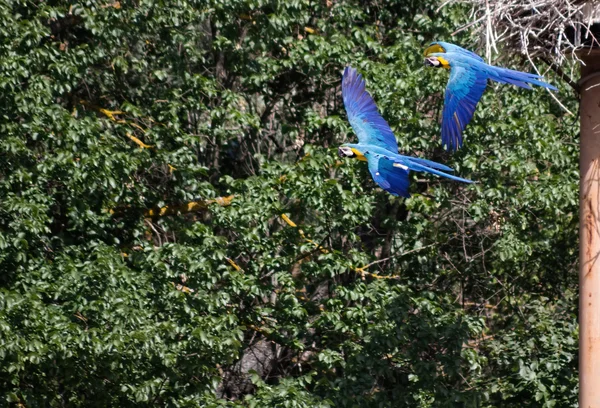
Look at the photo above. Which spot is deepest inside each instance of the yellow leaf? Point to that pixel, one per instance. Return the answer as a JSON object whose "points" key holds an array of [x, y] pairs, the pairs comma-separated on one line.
{"points": [[141, 144], [110, 113], [222, 201], [235, 266], [287, 219]]}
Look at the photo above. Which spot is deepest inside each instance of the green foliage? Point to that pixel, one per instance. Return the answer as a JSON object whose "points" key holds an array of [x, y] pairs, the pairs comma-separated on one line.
{"points": [[110, 109]]}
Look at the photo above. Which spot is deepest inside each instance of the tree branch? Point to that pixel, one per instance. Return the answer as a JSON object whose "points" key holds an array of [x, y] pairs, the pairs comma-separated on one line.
{"points": [[192, 206]]}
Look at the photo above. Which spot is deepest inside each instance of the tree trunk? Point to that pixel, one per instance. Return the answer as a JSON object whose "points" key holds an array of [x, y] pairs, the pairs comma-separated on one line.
{"points": [[589, 234]]}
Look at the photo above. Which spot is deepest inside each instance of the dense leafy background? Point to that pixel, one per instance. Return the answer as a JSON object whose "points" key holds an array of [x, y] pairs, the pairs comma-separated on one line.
{"points": [[110, 109]]}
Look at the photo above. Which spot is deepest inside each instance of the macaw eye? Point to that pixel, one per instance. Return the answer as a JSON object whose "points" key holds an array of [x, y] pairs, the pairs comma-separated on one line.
{"points": [[432, 62]]}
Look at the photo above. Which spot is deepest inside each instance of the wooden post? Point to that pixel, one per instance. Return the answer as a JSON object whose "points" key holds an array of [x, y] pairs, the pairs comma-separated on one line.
{"points": [[589, 233]]}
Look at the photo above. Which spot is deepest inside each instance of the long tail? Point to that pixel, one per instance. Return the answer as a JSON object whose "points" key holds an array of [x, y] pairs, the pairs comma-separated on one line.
{"points": [[431, 164], [518, 78], [415, 166]]}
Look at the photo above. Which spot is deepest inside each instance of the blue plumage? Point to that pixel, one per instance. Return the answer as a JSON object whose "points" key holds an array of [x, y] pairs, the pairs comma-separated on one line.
{"points": [[392, 179], [468, 80], [432, 164], [448, 47], [364, 118], [377, 143]]}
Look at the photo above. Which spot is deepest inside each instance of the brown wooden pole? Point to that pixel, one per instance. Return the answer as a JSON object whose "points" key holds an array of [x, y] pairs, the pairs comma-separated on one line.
{"points": [[589, 233]]}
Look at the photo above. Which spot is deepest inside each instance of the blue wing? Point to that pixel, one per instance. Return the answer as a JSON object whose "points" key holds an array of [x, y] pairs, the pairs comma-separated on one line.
{"points": [[392, 179], [464, 90], [362, 112]]}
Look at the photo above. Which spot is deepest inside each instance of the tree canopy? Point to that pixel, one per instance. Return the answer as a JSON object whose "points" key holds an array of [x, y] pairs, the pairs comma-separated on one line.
{"points": [[176, 228]]}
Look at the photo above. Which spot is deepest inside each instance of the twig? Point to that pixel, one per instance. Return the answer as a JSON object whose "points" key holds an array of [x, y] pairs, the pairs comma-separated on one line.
{"points": [[397, 256], [562, 74]]}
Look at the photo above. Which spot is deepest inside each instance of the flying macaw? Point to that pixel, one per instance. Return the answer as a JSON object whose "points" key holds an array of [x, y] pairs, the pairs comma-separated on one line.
{"points": [[376, 142], [468, 79]]}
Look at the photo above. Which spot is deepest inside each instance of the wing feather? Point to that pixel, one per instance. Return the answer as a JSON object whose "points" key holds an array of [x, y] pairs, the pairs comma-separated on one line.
{"points": [[464, 90], [392, 179], [368, 124]]}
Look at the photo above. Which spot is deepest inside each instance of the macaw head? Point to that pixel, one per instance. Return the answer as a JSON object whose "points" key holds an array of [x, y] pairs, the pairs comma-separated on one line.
{"points": [[435, 54], [440, 54], [352, 151]]}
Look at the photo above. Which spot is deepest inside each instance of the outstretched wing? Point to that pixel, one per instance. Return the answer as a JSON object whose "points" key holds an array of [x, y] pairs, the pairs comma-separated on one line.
{"points": [[392, 179], [362, 112], [464, 90]]}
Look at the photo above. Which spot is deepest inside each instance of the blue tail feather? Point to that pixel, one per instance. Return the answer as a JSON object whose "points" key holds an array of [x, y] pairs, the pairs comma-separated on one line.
{"points": [[430, 163], [518, 78], [417, 167]]}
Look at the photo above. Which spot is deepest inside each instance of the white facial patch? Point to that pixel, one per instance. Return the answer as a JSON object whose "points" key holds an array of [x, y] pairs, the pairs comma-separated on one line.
{"points": [[432, 62], [345, 152]]}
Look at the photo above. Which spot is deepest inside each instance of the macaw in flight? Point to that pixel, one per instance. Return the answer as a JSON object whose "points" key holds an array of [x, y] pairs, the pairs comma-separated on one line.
{"points": [[468, 79], [376, 142]]}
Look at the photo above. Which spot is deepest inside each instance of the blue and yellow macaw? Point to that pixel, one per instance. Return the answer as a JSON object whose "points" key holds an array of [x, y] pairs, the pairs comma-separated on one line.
{"points": [[376, 142], [468, 79]]}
